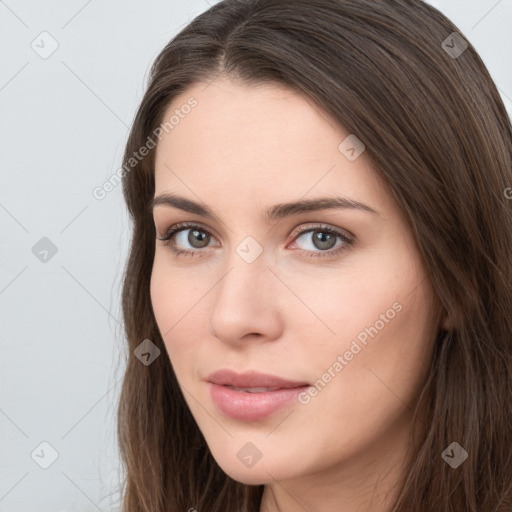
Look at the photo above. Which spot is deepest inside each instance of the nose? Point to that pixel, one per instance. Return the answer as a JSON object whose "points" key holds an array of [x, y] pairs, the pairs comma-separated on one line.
{"points": [[246, 303]]}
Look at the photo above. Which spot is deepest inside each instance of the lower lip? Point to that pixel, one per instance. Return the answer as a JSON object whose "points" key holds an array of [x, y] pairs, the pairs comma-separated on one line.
{"points": [[252, 406]]}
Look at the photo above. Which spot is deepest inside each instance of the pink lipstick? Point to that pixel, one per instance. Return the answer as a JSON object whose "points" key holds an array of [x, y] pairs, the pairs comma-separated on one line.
{"points": [[252, 395]]}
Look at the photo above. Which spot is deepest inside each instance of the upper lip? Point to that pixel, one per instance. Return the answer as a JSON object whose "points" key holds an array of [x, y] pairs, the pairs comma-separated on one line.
{"points": [[252, 379]]}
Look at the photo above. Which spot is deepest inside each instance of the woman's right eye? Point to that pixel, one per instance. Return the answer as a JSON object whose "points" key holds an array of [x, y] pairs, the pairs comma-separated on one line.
{"points": [[178, 233]]}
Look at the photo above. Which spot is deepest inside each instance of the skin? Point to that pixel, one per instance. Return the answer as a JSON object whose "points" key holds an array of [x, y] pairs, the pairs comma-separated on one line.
{"points": [[241, 150]]}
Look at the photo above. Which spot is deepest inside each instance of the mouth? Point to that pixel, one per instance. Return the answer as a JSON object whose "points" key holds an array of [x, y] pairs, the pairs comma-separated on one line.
{"points": [[252, 381], [252, 396]]}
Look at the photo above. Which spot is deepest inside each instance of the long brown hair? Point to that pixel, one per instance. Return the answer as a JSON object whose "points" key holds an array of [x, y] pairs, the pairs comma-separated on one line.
{"points": [[436, 129]]}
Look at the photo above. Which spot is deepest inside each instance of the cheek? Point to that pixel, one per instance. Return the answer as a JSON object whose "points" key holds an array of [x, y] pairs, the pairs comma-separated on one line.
{"points": [[385, 352], [163, 295], [165, 292], [178, 304], [379, 313], [174, 292], [339, 305], [376, 383]]}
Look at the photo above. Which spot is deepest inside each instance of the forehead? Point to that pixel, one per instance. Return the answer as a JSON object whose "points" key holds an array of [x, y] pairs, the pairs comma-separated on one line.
{"points": [[251, 142], [242, 117]]}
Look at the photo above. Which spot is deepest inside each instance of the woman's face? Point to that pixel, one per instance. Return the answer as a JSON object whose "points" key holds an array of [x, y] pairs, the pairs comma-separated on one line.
{"points": [[263, 287]]}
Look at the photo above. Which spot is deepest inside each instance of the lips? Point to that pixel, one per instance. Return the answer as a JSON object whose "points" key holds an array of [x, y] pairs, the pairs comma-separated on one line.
{"points": [[252, 381], [252, 396]]}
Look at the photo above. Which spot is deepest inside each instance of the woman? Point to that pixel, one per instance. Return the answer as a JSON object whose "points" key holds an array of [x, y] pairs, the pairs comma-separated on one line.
{"points": [[319, 286]]}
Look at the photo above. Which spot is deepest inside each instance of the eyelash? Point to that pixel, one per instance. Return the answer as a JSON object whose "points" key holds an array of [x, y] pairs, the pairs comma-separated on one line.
{"points": [[167, 238]]}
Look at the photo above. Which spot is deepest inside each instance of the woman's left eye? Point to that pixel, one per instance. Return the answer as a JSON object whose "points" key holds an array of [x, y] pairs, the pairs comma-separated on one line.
{"points": [[324, 238], [320, 237]]}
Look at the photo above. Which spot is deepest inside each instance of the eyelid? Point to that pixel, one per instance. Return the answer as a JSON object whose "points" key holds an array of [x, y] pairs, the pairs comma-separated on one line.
{"points": [[318, 226]]}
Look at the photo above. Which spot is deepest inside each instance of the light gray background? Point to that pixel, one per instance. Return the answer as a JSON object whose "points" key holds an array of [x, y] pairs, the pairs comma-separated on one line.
{"points": [[63, 125]]}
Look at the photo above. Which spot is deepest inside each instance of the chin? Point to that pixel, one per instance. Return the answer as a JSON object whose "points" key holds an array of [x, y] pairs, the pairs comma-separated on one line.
{"points": [[247, 477], [260, 473]]}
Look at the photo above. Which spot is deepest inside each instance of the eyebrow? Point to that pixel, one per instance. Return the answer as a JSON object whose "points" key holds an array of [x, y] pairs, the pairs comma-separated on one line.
{"points": [[274, 213]]}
